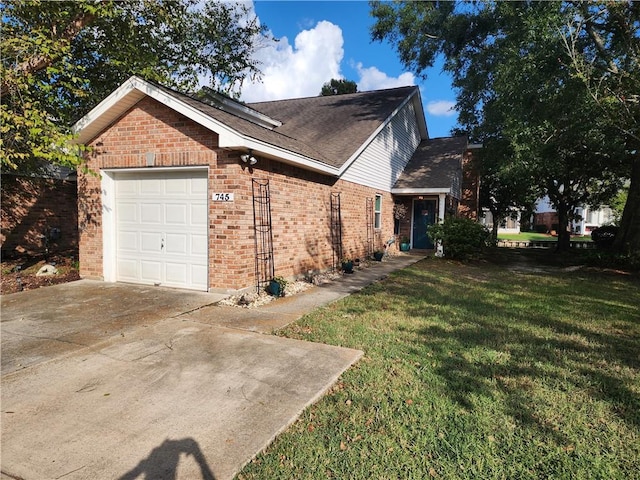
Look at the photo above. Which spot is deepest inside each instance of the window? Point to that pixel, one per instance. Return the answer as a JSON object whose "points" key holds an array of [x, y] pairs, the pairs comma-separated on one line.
{"points": [[377, 222]]}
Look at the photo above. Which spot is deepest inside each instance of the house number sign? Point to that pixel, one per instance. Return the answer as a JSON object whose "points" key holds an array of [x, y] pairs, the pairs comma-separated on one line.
{"points": [[222, 197]]}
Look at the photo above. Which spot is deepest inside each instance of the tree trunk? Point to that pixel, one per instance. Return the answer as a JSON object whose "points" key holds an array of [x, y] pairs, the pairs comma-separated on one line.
{"points": [[564, 236], [628, 238], [494, 232], [497, 219]]}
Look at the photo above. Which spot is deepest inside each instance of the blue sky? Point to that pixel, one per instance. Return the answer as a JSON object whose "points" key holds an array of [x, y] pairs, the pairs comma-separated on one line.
{"points": [[320, 40]]}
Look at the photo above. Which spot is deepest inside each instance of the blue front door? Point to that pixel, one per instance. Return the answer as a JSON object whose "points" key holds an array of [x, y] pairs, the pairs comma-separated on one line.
{"points": [[424, 214]]}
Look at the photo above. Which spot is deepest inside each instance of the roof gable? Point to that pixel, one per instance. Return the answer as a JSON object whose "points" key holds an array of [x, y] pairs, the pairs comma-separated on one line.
{"points": [[435, 166]]}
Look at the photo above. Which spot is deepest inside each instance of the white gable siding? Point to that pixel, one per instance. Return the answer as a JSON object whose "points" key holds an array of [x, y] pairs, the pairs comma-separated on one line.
{"points": [[382, 161]]}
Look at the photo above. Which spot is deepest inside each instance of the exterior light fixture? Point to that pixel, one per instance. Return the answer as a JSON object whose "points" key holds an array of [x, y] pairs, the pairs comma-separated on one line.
{"points": [[248, 158]]}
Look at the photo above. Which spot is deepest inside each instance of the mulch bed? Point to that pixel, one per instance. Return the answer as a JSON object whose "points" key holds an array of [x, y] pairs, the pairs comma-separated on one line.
{"points": [[19, 273]]}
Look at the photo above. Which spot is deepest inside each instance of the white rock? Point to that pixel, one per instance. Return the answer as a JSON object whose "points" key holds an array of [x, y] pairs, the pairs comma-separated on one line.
{"points": [[46, 270]]}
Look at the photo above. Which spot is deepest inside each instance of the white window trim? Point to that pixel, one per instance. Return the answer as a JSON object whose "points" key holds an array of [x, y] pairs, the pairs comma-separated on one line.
{"points": [[377, 214]]}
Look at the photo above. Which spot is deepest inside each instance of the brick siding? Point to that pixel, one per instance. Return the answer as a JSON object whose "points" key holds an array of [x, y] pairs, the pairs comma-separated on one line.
{"points": [[33, 206], [300, 200], [469, 203]]}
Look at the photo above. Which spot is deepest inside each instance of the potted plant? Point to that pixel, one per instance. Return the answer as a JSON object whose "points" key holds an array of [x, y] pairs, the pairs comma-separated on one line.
{"points": [[277, 286], [405, 244], [347, 265], [377, 255]]}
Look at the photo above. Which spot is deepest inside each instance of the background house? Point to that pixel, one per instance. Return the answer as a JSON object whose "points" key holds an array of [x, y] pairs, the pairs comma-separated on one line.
{"points": [[589, 218], [208, 193], [510, 224]]}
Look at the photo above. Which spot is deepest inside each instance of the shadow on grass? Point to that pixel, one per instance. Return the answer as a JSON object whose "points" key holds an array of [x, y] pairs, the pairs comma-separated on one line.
{"points": [[530, 339]]}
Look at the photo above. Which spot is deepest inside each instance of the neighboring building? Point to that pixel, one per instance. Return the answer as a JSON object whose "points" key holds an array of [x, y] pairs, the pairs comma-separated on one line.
{"points": [[589, 219], [212, 194], [509, 225]]}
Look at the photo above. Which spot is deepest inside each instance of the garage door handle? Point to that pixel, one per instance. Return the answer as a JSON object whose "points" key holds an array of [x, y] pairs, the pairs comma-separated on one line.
{"points": [[161, 244]]}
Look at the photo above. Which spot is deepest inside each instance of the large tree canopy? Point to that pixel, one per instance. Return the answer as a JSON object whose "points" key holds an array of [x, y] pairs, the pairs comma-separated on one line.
{"points": [[60, 58], [548, 87]]}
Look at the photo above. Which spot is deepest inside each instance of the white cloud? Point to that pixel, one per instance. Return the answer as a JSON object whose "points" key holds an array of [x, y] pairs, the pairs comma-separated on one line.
{"points": [[299, 70], [373, 79], [442, 108]]}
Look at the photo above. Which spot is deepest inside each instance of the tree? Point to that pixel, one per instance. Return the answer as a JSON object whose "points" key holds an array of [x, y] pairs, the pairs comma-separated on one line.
{"points": [[515, 84], [60, 58], [506, 188], [338, 87], [603, 44]]}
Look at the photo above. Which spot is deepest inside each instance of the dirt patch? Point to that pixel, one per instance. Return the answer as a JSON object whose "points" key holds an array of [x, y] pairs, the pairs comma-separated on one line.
{"points": [[19, 274]]}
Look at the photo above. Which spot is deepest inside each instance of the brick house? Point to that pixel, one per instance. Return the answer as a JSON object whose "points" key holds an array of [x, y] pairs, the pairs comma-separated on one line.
{"points": [[208, 193]]}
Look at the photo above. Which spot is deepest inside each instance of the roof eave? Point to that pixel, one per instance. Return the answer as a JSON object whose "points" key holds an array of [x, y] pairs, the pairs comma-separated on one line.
{"points": [[421, 191]]}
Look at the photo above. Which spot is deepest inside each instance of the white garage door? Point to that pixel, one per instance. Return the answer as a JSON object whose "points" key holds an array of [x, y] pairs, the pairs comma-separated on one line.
{"points": [[161, 228]]}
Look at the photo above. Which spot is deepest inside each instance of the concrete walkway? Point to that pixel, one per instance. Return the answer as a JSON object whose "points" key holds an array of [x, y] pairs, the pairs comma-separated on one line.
{"points": [[115, 381]]}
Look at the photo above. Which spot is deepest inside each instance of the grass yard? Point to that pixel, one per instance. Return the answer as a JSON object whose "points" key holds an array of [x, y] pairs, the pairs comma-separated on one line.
{"points": [[534, 237], [480, 370]]}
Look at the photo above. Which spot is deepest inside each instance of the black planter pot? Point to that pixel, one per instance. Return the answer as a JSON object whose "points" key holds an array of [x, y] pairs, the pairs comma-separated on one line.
{"points": [[275, 289], [378, 256], [347, 267]]}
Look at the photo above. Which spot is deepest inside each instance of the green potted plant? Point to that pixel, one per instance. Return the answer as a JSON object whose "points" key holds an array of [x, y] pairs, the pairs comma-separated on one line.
{"points": [[347, 265], [277, 286], [405, 244]]}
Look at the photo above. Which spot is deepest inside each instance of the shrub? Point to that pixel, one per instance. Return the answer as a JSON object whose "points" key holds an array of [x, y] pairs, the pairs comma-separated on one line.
{"points": [[604, 236], [461, 238], [608, 259], [540, 228]]}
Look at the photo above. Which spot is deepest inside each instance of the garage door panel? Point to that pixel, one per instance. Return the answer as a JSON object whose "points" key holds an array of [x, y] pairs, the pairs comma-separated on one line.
{"points": [[176, 214], [176, 243], [177, 186], [176, 273], [199, 186], [150, 271], [151, 242], [127, 241], [127, 187], [127, 212], [198, 214], [150, 214], [198, 244], [162, 226], [150, 186], [127, 269], [199, 276]]}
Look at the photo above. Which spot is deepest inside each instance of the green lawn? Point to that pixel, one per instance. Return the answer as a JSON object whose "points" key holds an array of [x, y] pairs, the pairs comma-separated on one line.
{"points": [[533, 236], [474, 371]]}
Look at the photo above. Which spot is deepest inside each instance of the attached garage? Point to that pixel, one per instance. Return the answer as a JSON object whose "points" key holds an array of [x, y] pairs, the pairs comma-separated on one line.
{"points": [[159, 227]]}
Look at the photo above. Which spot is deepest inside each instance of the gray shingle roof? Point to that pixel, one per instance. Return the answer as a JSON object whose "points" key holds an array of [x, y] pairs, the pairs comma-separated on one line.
{"points": [[335, 125], [327, 129], [437, 163]]}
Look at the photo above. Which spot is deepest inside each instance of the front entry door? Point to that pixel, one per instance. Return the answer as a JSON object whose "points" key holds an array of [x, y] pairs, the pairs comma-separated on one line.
{"points": [[424, 214]]}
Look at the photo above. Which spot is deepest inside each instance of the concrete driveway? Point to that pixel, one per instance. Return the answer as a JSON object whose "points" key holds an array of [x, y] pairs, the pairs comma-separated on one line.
{"points": [[116, 381]]}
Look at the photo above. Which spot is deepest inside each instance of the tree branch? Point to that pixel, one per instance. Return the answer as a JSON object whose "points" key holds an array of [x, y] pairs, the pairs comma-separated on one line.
{"points": [[40, 62]]}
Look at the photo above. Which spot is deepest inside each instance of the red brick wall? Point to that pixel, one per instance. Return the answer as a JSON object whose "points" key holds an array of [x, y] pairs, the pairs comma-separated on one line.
{"points": [[469, 203], [300, 200], [31, 206], [550, 219]]}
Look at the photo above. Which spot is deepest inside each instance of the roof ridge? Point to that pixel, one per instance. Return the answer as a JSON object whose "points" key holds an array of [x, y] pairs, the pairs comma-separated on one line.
{"points": [[366, 92]]}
